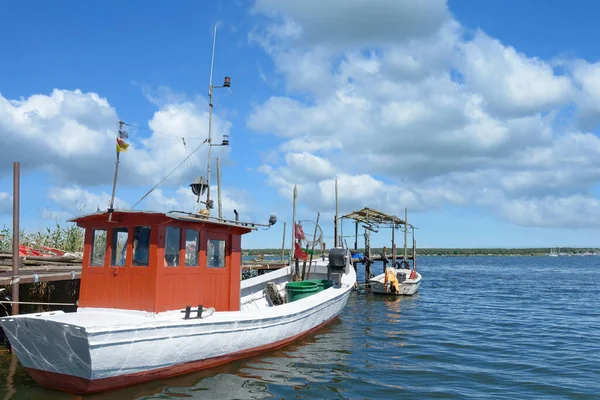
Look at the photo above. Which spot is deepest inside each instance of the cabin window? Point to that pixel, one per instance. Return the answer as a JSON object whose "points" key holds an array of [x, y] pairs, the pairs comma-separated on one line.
{"points": [[172, 246], [215, 253], [119, 246], [191, 247], [141, 246], [98, 247]]}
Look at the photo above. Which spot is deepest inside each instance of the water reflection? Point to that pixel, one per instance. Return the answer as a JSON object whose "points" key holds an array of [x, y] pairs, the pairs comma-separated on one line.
{"points": [[10, 378]]}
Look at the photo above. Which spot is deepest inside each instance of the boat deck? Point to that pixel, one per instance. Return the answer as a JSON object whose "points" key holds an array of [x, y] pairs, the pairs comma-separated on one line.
{"points": [[254, 305]]}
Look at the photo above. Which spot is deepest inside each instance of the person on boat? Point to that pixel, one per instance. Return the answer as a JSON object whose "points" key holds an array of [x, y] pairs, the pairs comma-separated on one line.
{"points": [[390, 282]]}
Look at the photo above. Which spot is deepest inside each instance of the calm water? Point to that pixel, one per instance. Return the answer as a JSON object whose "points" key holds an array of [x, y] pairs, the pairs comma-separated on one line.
{"points": [[509, 328]]}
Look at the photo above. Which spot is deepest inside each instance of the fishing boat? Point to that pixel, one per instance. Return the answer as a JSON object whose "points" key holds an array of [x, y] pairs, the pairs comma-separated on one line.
{"points": [[396, 281], [153, 306], [401, 277], [161, 295]]}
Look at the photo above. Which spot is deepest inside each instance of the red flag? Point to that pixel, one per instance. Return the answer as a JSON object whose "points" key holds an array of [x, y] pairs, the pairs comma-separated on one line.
{"points": [[299, 232], [299, 253]]}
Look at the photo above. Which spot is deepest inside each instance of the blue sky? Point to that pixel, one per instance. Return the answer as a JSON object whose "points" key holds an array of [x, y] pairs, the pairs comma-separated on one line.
{"points": [[479, 117]]}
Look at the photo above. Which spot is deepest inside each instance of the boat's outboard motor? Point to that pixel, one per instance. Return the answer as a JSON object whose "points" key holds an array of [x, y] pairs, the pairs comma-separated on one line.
{"points": [[337, 262]]}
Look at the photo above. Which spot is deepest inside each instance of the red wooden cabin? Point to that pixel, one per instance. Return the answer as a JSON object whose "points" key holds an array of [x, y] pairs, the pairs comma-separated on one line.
{"points": [[159, 262]]}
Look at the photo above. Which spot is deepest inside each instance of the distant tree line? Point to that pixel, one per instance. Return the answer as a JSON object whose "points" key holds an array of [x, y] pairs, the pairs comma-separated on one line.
{"points": [[458, 252]]}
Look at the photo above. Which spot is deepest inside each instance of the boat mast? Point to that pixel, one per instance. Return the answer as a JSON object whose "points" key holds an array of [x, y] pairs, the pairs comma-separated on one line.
{"points": [[114, 188], [210, 107], [226, 84]]}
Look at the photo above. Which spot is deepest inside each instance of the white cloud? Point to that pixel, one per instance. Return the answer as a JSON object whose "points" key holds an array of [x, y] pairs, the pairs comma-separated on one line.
{"points": [[511, 82], [55, 216], [310, 166], [353, 21], [67, 128], [72, 134], [6, 201], [586, 77], [423, 118], [70, 201], [158, 201], [182, 199], [76, 200], [577, 211]]}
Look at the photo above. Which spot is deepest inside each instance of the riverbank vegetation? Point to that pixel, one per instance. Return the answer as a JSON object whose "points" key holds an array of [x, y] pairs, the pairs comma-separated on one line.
{"points": [[70, 238], [67, 238]]}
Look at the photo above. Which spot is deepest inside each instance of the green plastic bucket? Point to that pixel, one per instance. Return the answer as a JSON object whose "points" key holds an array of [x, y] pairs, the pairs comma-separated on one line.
{"points": [[322, 283], [299, 290]]}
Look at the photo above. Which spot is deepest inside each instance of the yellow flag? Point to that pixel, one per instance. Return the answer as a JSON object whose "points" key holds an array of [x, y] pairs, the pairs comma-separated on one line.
{"points": [[121, 145]]}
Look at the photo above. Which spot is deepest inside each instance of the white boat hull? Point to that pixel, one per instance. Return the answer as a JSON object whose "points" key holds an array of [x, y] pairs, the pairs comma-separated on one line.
{"points": [[406, 288], [95, 350]]}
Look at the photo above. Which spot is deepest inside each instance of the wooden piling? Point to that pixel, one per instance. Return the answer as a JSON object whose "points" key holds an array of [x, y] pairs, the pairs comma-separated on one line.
{"points": [[414, 253], [367, 256], [384, 258], [405, 233], [393, 246], [283, 244], [312, 249]]}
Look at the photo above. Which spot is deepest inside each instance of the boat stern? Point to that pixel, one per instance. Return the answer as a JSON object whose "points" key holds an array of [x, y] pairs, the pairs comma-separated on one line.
{"points": [[54, 353]]}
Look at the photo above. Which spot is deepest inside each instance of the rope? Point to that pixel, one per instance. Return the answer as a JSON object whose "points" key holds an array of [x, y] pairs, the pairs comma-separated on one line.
{"points": [[189, 160], [169, 174], [319, 239]]}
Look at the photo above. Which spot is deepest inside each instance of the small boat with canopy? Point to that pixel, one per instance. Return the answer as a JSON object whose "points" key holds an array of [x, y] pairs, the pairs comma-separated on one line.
{"points": [[401, 276]]}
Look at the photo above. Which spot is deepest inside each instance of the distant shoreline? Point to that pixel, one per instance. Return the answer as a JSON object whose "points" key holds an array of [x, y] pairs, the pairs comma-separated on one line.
{"points": [[482, 252]]}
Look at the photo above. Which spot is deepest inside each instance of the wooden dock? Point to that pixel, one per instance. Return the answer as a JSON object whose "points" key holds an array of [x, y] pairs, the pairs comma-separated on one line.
{"points": [[40, 274], [53, 273]]}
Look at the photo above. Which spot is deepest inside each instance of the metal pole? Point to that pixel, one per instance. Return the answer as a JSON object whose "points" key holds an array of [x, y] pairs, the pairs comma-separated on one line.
{"points": [[283, 243], [335, 222], [219, 188], [356, 235], [405, 231], [16, 229]]}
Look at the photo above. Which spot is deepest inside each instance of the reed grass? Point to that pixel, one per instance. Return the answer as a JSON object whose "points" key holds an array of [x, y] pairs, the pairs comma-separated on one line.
{"points": [[64, 237]]}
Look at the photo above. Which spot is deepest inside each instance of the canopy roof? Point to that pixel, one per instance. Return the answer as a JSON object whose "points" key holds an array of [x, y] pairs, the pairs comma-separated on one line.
{"points": [[374, 217]]}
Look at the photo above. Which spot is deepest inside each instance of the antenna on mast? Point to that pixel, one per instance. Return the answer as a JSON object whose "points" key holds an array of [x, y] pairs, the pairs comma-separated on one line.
{"points": [[203, 185]]}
